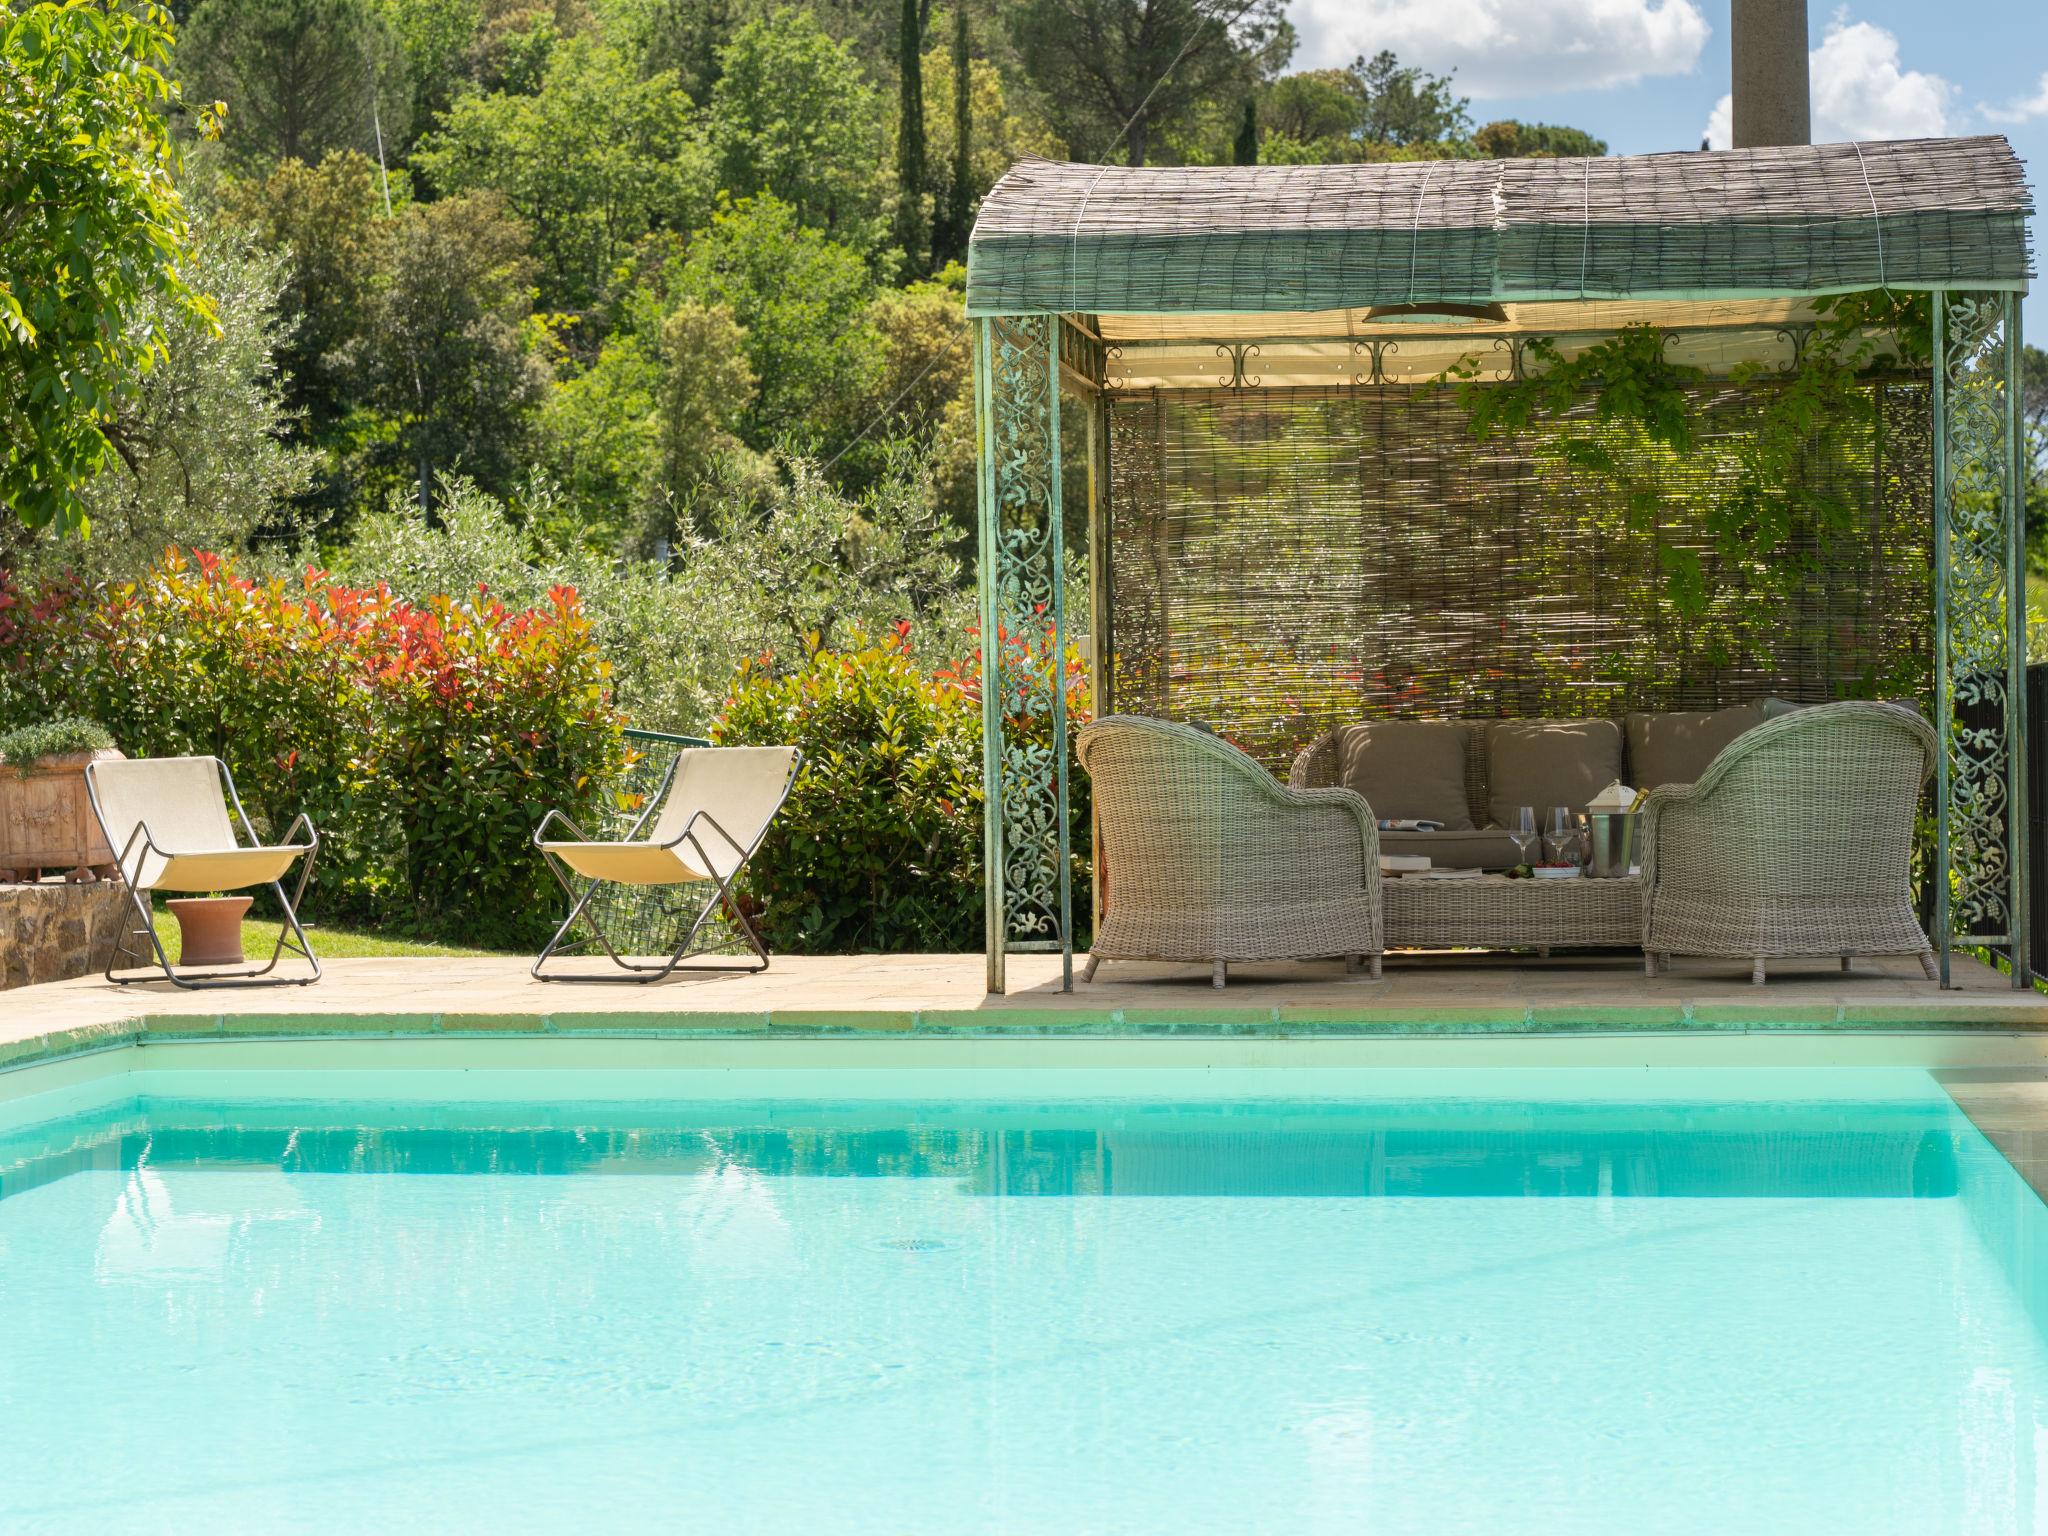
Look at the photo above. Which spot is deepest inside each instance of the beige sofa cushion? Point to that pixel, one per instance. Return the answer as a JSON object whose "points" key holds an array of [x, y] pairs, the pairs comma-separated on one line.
{"points": [[1675, 747], [1542, 763], [1408, 769]]}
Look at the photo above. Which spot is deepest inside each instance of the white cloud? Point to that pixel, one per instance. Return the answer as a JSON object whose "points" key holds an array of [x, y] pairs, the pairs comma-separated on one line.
{"points": [[1860, 92], [1509, 47], [2019, 111], [1721, 123]]}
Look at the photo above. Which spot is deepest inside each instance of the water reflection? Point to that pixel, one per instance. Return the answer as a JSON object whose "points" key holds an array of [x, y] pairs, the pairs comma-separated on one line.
{"points": [[1263, 1151]]}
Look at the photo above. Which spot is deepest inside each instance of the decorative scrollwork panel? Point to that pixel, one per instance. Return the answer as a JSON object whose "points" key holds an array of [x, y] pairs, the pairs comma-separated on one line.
{"points": [[1024, 637], [1976, 577]]}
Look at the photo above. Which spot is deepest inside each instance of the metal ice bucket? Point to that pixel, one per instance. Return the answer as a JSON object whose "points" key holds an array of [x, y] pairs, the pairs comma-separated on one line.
{"points": [[1610, 843]]}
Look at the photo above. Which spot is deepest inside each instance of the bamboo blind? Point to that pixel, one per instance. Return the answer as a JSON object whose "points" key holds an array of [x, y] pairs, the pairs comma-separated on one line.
{"points": [[1790, 220], [1283, 561]]}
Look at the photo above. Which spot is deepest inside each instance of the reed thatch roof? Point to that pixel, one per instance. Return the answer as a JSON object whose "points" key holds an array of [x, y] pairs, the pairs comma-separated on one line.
{"points": [[1792, 221]]}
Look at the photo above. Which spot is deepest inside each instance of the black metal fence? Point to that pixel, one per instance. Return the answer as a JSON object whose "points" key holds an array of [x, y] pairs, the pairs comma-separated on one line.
{"points": [[2037, 817]]}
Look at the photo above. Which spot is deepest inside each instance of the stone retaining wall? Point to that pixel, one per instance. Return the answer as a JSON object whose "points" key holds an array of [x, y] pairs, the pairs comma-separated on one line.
{"points": [[54, 931]]}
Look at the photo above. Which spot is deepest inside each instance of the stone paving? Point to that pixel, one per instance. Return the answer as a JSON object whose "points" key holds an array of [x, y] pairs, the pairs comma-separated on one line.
{"points": [[1878, 1013], [1422, 995]]}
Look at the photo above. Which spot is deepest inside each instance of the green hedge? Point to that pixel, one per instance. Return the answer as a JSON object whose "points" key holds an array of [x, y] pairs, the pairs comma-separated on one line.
{"points": [[879, 846]]}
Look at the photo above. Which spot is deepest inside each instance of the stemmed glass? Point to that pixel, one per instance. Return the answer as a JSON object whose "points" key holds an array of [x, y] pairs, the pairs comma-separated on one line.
{"points": [[1523, 830], [1561, 843]]}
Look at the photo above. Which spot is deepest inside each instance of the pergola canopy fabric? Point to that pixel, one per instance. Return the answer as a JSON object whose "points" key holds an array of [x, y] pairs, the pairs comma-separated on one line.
{"points": [[1782, 222]]}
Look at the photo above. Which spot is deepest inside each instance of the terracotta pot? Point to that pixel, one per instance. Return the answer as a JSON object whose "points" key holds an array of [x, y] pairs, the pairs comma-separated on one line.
{"points": [[209, 929], [46, 820]]}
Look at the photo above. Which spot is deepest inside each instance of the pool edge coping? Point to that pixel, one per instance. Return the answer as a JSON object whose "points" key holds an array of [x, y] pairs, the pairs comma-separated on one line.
{"points": [[1277, 1022]]}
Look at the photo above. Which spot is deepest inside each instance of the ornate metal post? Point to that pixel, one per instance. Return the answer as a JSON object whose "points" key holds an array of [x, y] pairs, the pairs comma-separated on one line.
{"points": [[1980, 629], [1101, 635], [1026, 836]]}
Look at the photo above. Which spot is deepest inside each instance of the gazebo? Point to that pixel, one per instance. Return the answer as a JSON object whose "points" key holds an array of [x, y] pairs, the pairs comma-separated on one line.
{"points": [[1240, 374]]}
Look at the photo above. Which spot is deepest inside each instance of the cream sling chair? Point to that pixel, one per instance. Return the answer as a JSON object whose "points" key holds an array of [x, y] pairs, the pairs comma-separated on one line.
{"points": [[707, 819], [167, 817]]}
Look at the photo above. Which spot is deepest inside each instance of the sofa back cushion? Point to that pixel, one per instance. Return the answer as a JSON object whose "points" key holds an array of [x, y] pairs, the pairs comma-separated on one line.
{"points": [[1408, 769], [1675, 747], [1542, 763]]}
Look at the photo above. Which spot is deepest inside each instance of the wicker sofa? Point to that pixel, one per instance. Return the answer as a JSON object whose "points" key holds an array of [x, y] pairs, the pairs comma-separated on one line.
{"points": [[1469, 775], [1793, 839], [1207, 858], [1796, 841]]}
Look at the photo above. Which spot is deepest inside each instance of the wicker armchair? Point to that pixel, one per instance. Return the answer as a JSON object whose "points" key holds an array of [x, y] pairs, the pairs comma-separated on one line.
{"points": [[1796, 841], [1208, 857]]}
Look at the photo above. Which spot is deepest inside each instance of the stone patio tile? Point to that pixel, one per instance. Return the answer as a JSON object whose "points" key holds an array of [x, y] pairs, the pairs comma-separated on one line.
{"points": [[1545, 1015], [1149, 1020], [1421, 1018], [313, 1024], [1023, 1020], [65, 1042], [1766, 1015], [626, 1021], [938, 993], [182, 1026], [2022, 1013], [899, 1021], [490, 1023]]}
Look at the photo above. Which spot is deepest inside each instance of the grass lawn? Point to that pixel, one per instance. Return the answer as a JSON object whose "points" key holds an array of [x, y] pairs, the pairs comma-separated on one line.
{"points": [[259, 934]]}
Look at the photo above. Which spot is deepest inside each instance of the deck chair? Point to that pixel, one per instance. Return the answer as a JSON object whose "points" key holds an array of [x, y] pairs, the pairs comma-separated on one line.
{"points": [[167, 817], [706, 820]]}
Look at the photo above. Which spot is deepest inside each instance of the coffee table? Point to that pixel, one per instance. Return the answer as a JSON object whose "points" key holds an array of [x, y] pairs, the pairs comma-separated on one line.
{"points": [[1494, 912]]}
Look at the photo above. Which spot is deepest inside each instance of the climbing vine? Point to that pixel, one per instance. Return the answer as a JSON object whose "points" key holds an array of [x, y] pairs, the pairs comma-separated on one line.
{"points": [[1624, 411]]}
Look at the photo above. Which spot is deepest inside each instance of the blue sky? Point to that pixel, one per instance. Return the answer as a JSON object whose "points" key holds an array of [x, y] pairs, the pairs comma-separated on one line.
{"points": [[1648, 75]]}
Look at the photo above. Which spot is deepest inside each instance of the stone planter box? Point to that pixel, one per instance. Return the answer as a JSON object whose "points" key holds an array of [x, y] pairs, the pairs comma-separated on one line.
{"points": [[46, 820], [56, 931]]}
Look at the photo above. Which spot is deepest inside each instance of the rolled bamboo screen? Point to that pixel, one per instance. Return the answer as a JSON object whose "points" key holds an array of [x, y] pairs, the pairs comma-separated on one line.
{"points": [[1785, 220], [1283, 561]]}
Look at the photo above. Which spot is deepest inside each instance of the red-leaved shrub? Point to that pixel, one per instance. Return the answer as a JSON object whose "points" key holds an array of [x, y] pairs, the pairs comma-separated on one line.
{"points": [[425, 740]]}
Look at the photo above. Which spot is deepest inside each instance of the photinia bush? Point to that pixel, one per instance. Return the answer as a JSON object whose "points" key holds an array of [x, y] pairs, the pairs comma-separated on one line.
{"points": [[425, 740], [879, 846]]}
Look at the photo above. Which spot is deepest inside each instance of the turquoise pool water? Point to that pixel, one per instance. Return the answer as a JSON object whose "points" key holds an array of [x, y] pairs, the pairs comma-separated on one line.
{"points": [[1479, 1311]]}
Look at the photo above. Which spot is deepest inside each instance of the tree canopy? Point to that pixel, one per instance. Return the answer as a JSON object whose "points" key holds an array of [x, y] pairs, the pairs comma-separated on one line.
{"points": [[1123, 74], [91, 231], [305, 76], [605, 259]]}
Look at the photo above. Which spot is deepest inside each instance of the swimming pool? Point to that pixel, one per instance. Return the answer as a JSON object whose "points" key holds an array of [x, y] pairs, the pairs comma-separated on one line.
{"points": [[1526, 1302]]}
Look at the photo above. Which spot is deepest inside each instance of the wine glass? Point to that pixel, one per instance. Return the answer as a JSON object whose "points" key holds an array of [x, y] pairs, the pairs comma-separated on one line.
{"points": [[1561, 841], [1523, 830]]}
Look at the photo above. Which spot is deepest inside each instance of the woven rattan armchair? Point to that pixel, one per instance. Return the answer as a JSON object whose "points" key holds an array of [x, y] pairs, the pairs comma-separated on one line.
{"points": [[1796, 841], [1208, 857]]}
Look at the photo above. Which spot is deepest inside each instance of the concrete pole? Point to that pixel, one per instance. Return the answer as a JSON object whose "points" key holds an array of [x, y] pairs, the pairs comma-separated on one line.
{"points": [[1773, 104]]}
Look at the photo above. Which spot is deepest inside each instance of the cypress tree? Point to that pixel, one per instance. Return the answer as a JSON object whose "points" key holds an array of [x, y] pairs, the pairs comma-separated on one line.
{"points": [[960, 215], [911, 233], [1245, 151]]}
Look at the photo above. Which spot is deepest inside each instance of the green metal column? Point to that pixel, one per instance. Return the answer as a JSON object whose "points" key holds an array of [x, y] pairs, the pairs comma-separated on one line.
{"points": [[1101, 636], [1027, 837], [1980, 628], [2016, 613], [987, 561], [1944, 697]]}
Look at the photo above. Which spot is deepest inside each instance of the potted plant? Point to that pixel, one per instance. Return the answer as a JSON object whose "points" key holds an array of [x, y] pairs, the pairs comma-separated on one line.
{"points": [[46, 819]]}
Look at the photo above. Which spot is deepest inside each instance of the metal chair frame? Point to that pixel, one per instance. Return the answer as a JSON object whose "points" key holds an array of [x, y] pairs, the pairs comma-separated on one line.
{"points": [[726, 895], [138, 899]]}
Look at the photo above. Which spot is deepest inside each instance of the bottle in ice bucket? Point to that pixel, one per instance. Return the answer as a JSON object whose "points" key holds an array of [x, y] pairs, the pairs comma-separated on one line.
{"points": [[1611, 832]]}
